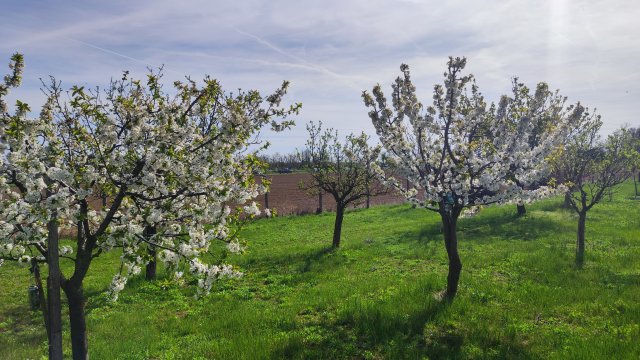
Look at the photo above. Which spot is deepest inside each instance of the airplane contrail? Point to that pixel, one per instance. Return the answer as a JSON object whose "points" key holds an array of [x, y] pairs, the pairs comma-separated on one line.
{"points": [[120, 55], [310, 65]]}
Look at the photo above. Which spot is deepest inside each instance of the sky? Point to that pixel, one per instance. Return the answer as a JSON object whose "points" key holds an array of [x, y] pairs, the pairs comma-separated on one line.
{"points": [[332, 50]]}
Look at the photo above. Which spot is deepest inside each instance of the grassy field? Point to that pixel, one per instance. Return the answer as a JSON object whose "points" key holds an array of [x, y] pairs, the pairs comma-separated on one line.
{"points": [[520, 297]]}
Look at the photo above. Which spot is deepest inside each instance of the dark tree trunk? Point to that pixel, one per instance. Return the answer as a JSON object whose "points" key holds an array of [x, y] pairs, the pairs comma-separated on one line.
{"points": [[266, 200], [54, 310], [150, 274], [319, 209], [150, 271], [77, 321], [582, 221], [567, 201], [337, 229], [522, 210], [449, 222], [368, 195]]}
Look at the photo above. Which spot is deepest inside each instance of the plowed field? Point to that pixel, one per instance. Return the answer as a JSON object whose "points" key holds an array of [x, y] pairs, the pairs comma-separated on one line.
{"points": [[286, 197]]}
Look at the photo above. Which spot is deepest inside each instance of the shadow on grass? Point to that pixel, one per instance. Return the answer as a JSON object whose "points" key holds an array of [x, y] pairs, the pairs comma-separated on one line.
{"points": [[411, 324], [503, 224], [314, 256], [21, 325], [508, 226], [391, 326], [613, 278], [377, 323], [429, 233], [550, 206], [302, 259], [20, 317]]}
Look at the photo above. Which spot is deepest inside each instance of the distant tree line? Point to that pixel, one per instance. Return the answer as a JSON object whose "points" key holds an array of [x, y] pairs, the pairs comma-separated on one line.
{"points": [[288, 162]]}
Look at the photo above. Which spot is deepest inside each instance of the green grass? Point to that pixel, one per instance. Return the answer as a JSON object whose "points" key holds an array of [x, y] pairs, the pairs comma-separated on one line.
{"points": [[520, 294]]}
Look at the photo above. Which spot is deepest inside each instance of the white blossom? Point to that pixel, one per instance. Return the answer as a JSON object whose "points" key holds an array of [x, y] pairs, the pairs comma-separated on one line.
{"points": [[117, 285], [252, 209], [234, 247], [66, 250]]}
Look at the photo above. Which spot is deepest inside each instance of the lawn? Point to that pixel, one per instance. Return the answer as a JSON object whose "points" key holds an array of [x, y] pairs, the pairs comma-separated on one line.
{"points": [[520, 296]]}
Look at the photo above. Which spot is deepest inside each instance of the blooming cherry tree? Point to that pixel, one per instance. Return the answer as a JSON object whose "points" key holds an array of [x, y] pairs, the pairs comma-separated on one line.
{"points": [[457, 153], [177, 170]]}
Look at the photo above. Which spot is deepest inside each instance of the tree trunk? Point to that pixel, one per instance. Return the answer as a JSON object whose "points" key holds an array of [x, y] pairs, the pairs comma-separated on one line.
{"points": [[77, 321], [582, 220], [150, 274], [368, 195], [266, 200], [150, 271], [319, 209], [449, 222], [337, 229], [567, 201], [54, 310], [522, 210], [635, 183]]}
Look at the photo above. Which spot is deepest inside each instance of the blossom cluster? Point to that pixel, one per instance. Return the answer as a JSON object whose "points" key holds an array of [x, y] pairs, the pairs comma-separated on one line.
{"points": [[462, 152], [174, 171]]}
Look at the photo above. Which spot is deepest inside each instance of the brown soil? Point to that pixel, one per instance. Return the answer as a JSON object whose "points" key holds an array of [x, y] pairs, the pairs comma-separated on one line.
{"points": [[286, 198]]}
